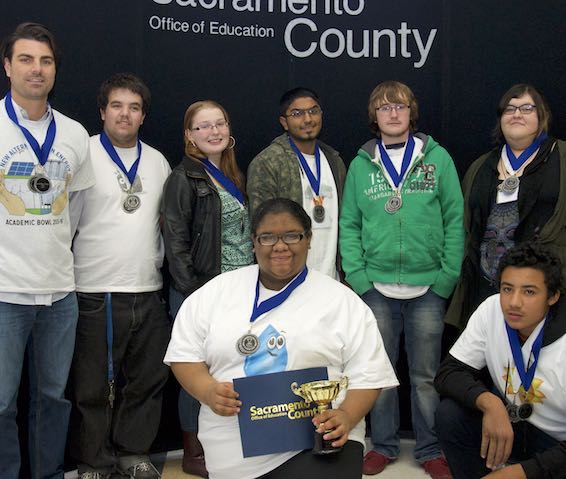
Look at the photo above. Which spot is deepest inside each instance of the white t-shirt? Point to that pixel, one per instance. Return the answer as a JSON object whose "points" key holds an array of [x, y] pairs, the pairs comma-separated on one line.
{"points": [[36, 238], [324, 242], [484, 342], [323, 323], [116, 251], [397, 290]]}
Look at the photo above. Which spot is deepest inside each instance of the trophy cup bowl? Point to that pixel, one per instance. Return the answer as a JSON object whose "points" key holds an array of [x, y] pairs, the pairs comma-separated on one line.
{"points": [[322, 393]]}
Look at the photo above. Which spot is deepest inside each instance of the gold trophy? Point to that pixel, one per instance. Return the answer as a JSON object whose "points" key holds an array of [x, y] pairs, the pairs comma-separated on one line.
{"points": [[322, 393]]}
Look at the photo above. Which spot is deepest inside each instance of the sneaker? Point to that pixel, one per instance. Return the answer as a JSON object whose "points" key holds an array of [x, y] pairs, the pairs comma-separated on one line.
{"points": [[437, 468], [142, 470], [374, 463]]}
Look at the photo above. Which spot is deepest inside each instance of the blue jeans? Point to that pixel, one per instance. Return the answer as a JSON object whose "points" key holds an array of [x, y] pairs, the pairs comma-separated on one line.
{"points": [[422, 320], [188, 406], [48, 333]]}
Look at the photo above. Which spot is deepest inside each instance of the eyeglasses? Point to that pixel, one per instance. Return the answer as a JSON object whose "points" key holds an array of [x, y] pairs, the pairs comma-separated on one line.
{"points": [[525, 109], [299, 113], [398, 107], [270, 239], [220, 125]]}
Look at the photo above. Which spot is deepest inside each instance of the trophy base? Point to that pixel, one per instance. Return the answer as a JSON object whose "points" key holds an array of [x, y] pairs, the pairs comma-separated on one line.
{"points": [[322, 447]]}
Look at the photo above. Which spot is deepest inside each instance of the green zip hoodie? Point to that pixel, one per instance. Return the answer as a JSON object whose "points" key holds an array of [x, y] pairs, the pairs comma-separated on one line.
{"points": [[420, 244]]}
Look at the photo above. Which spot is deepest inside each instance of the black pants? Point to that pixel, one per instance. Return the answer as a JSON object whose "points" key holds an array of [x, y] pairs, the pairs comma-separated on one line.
{"points": [[98, 433], [347, 464], [459, 433]]}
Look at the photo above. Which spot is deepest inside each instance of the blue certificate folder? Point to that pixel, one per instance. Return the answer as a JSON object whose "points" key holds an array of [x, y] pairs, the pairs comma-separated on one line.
{"points": [[273, 418]]}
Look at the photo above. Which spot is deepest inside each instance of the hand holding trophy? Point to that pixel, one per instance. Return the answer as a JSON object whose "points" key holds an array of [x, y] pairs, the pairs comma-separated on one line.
{"points": [[322, 393]]}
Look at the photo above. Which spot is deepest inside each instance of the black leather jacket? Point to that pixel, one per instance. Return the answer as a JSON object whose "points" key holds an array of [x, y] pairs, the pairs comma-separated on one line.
{"points": [[191, 212]]}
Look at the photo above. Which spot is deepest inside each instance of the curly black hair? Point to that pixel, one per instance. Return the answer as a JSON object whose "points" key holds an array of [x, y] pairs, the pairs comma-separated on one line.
{"points": [[533, 255], [127, 81]]}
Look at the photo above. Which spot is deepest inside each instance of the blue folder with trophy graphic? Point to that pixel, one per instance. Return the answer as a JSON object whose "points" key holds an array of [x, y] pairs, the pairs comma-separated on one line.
{"points": [[272, 418]]}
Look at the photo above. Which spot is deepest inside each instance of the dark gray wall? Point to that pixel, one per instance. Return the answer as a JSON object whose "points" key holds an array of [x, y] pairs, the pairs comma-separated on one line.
{"points": [[479, 50]]}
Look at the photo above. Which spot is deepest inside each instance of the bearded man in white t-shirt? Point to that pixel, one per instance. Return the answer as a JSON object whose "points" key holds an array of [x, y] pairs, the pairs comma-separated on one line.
{"points": [[298, 166], [117, 376], [44, 161], [504, 381]]}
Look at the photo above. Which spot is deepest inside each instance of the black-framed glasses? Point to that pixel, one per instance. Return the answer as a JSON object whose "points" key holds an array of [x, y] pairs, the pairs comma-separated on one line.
{"points": [[398, 107], [525, 109], [270, 239], [220, 125], [300, 112]]}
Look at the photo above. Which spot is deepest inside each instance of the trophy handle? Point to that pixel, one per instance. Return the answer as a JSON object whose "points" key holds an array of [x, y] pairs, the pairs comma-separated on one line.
{"points": [[344, 382], [298, 391]]}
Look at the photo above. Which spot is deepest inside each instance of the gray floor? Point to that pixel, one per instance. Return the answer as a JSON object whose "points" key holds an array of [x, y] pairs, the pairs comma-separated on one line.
{"points": [[403, 468]]}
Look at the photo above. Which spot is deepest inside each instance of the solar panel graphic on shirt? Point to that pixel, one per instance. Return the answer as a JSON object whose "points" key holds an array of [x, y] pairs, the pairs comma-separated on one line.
{"points": [[21, 168]]}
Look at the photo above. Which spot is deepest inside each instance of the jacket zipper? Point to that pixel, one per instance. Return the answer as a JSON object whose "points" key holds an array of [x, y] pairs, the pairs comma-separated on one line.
{"points": [[419, 159]]}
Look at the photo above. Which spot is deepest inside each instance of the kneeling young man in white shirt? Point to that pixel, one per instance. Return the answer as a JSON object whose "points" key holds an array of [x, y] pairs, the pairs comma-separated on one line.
{"points": [[510, 423]]}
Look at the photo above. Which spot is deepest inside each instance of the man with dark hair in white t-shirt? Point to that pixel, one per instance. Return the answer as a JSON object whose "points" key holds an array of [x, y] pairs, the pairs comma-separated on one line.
{"points": [[117, 376], [298, 166], [504, 381], [44, 160]]}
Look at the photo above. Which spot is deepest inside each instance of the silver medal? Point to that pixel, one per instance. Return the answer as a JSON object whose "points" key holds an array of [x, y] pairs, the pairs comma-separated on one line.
{"points": [[318, 213], [525, 410], [509, 185], [513, 412], [131, 203], [248, 344], [519, 413], [393, 204], [39, 183]]}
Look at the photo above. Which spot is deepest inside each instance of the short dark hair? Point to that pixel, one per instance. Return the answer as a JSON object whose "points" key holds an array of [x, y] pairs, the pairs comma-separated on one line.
{"points": [[291, 95], [278, 206], [30, 31], [129, 81], [533, 255], [392, 91], [517, 91]]}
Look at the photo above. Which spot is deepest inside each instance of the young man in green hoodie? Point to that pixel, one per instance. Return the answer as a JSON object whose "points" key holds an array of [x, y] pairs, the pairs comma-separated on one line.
{"points": [[401, 242]]}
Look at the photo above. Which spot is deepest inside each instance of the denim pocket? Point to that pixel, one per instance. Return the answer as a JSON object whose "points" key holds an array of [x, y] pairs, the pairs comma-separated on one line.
{"points": [[91, 303]]}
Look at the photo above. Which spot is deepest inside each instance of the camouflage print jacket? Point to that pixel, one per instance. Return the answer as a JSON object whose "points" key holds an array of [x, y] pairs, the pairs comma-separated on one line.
{"points": [[275, 172]]}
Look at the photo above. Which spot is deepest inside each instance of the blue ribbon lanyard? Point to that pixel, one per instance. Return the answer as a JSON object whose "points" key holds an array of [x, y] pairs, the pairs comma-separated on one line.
{"points": [[41, 152], [528, 374], [109, 343], [313, 180], [109, 147], [516, 163], [279, 298], [226, 182], [407, 156]]}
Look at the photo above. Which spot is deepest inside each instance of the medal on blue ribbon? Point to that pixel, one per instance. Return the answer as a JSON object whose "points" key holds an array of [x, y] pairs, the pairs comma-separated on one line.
{"points": [[395, 202], [132, 202], [318, 211], [249, 342], [511, 183], [522, 412], [226, 182], [39, 182]]}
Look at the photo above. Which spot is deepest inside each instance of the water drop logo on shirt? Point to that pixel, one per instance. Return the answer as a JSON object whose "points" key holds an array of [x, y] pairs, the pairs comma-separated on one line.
{"points": [[271, 357]]}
